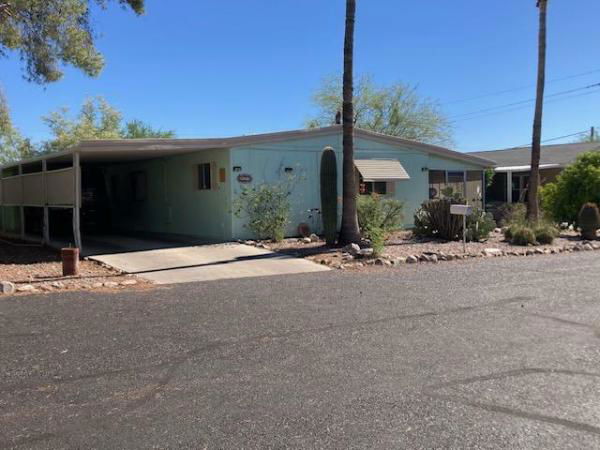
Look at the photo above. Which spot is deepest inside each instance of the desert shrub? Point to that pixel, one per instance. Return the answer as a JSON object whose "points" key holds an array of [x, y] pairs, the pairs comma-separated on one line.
{"points": [[266, 208], [375, 211], [579, 183], [524, 233], [589, 220], [433, 219], [509, 213], [479, 225], [545, 232]]}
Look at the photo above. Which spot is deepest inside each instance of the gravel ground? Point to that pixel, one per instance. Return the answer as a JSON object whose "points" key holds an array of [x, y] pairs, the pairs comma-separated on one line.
{"points": [[38, 269], [403, 244]]}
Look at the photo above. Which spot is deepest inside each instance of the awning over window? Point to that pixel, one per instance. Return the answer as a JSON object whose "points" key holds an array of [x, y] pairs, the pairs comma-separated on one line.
{"points": [[381, 170]]}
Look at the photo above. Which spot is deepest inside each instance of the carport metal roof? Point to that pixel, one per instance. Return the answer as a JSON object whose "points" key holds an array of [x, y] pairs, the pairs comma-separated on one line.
{"points": [[140, 149]]}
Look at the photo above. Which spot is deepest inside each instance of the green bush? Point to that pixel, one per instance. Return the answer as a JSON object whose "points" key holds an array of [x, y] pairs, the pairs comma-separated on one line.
{"points": [[523, 233], [479, 225], [375, 211], [589, 220], [509, 213], [433, 220], [266, 208], [579, 183]]}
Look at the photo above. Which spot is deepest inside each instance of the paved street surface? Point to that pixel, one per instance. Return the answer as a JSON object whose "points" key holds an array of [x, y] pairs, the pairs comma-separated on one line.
{"points": [[184, 264], [501, 353]]}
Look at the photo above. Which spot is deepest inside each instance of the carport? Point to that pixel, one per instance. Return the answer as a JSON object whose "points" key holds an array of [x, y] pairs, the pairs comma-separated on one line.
{"points": [[69, 198]]}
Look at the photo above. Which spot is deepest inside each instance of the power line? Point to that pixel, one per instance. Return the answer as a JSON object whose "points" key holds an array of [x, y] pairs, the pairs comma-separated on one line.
{"points": [[579, 133], [508, 105], [523, 104], [508, 91]]}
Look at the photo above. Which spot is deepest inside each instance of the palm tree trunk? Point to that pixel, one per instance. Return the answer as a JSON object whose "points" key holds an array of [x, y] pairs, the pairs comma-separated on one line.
{"points": [[349, 232], [533, 204]]}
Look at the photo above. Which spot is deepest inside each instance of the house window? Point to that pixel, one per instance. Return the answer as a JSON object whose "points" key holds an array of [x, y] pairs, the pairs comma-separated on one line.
{"points": [[437, 182], [456, 181], [372, 187], [139, 186], [204, 178]]}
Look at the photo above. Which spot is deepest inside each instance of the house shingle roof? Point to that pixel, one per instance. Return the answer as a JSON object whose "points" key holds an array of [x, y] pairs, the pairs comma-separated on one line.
{"points": [[561, 154]]}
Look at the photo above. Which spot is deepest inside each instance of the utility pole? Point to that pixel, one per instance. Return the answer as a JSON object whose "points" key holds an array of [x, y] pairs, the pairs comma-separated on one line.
{"points": [[593, 134]]}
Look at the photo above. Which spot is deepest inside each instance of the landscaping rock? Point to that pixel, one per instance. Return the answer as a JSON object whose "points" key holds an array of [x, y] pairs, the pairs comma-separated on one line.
{"points": [[314, 238], [352, 249], [58, 284], [412, 259], [433, 258], [306, 240], [26, 288], [400, 260], [498, 230], [366, 252], [250, 242], [595, 246], [7, 288], [449, 257], [129, 282], [96, 285], [538, 251], [492, 252], [588, 247], [529, 252], [110, 284]]}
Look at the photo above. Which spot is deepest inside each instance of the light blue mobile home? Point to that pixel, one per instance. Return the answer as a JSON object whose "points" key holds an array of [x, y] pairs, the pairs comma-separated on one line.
{"points": [[186, 187]]}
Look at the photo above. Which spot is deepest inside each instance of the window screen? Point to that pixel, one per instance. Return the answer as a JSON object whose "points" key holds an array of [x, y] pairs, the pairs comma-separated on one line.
{"points": [[204, 180]]}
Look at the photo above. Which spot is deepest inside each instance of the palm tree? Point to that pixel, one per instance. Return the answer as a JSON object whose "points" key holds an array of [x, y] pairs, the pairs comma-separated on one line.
{"points": [[533, 204], [349, 232]]}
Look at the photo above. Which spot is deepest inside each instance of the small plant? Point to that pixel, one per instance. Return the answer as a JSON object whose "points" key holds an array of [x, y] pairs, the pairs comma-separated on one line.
{"points": [[266, 208], [377, 237], [508, 213], [375, 211], [589, 220], [479, 225], [433, 220], [524, 233]]}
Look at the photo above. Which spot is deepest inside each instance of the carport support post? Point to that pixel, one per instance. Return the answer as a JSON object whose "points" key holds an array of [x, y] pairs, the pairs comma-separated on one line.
{"points": [[46, 214], [76, 200], [22, 208], [509, 198]]}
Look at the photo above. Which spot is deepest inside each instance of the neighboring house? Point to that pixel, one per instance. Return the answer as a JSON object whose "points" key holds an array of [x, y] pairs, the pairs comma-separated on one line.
{"points": [[513, 166], [186, 187]]}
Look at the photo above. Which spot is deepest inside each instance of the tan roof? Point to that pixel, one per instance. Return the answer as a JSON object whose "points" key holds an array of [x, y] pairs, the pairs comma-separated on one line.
{"points": [[381, 170]]}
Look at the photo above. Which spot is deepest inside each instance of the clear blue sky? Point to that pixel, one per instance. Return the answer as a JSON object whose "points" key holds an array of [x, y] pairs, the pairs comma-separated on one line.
{"points": [[229, 67]]}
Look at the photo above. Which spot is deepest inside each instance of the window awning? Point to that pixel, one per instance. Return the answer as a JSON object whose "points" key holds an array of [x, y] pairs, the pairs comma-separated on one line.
{"points": [[381, 170]]}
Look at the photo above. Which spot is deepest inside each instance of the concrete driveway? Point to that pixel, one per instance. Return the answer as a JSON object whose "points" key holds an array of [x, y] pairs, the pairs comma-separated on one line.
{"points": [[185, 264]]}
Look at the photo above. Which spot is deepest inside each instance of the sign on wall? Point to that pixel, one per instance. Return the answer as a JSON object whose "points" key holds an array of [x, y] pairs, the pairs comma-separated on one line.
{"points": [[244, 178]]}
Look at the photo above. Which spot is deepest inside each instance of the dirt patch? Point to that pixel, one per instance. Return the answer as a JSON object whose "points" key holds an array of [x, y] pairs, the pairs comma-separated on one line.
{"points": [[35, 269]]}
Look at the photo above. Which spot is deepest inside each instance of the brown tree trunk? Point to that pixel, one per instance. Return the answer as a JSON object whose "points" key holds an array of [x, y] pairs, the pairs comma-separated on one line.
{"points": [[349, 232], [533, 203]]}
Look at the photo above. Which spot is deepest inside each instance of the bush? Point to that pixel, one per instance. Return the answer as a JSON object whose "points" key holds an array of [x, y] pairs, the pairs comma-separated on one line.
{"points": [[479, 225], [267, 209], [579, 183], [589, 220], [433, 219], [375, 211], [510, 213], [523, 233]]}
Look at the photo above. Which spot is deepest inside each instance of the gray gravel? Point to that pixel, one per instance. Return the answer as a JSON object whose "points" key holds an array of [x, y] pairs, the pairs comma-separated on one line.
{"points": [[495, 353]]}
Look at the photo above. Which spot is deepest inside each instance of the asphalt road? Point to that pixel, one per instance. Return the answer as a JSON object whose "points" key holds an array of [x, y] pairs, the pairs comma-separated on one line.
{"points": [[501, 353]]}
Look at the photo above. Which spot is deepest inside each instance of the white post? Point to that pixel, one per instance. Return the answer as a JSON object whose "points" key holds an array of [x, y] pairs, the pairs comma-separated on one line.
{"points": [[76, 200], [509, 198], [46, 212], [465, 234], [22, 208]]}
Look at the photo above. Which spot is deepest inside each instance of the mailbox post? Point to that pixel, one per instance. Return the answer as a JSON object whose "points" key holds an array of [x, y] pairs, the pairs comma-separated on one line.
{"points": [[464, 211]]}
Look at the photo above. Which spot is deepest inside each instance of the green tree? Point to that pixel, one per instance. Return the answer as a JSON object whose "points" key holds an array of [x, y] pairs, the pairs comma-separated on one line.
{"points": [[533, 201], [579, 183], [50, 33], [349, 232], [397, 110], [13, 146], [136, 129], [96, 120]]}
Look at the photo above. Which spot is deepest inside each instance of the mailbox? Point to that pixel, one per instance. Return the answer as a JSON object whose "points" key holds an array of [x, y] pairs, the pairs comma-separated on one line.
{"points": [[461, 210]]}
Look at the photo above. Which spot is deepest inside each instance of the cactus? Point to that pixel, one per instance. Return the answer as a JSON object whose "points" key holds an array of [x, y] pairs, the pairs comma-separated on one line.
{"points": [[589, 220], [329, 194]]}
